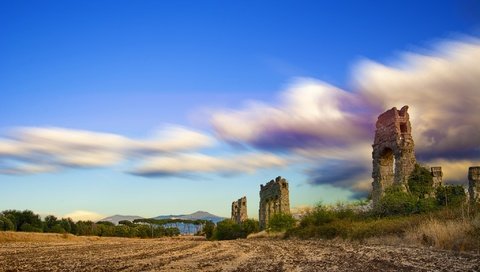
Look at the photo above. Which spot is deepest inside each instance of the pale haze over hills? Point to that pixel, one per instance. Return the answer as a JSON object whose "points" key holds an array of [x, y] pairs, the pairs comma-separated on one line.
{"points": [[198, 215]]}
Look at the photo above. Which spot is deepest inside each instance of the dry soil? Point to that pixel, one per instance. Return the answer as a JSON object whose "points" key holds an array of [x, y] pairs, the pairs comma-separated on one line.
{"points": [[189, 254]]}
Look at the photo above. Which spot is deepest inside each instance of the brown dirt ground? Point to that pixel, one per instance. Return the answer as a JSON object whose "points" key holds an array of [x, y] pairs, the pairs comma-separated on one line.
{"points": [[69, 253]]}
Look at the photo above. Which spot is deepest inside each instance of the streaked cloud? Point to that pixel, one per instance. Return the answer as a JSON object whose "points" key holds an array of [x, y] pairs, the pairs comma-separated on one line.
{"points": [[443, 92], [187, 164], [326, 129], [309, 113], [34, 150], [332, 130]]}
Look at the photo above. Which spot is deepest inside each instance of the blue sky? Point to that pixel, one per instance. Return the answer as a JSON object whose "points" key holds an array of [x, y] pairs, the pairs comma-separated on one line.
{"points": [[131, 72]]}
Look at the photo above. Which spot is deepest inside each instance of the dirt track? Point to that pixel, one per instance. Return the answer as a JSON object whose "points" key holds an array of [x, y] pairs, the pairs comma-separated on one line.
{"points": [[116, 254]]}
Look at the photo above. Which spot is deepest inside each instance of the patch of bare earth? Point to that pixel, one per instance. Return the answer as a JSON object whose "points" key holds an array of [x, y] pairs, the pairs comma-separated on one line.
{"points": [[174, 254]]}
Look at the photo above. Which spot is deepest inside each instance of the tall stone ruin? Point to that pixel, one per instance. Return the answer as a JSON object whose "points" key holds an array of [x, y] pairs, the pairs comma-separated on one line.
{"points": [[239, 210], [474, 183], [274, 198], [393, 151]]}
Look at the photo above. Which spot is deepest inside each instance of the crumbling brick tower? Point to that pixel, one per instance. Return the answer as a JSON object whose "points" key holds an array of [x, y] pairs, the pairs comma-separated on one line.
{"points": [[239, 210], [474, 183], [393, 151], [274, 198]]}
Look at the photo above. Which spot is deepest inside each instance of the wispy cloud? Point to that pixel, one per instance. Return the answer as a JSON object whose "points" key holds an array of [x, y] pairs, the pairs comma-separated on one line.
{"points": [[34, 150], [186, 164], [333, 129], [309, 113], [328, 129]]}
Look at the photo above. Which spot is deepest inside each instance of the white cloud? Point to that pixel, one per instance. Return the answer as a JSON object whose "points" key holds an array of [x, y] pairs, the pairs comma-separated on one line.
{"points": [[321, 123], [173, 139], [83, 215], [442, 90], [309, 113], [200, 163], [35, 150]]}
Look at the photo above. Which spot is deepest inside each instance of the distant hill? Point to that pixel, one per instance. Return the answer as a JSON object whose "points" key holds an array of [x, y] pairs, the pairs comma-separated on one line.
{"points": [[117, 218], [194, 216]]}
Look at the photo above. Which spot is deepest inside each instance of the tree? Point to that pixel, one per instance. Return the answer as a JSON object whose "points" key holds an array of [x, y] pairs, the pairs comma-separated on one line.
{"points": [[208, 229], [450, 195], [420, 182], [50, 222], [31, 220], [126, 223], [6, 224], [68, 225]]}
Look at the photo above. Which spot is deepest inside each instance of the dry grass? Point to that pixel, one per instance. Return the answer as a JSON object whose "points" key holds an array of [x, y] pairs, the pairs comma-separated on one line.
{"points": [[11, 237], [448, 234], [266, 235]]}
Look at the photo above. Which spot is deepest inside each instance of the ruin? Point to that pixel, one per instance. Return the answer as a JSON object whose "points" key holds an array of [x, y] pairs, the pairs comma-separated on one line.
{"points": [[474, 183], [274, 198], [393, 151], [239, 210], [437, 175]]}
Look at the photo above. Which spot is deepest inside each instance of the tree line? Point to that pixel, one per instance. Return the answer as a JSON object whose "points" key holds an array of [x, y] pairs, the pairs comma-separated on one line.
{"points": [[28, 221]]}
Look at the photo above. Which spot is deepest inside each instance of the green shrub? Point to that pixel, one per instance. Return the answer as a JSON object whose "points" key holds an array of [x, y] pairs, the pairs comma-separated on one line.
{"points": [[249, 226], [450, 195], [228, 230], [426, 205], [57, 229], [397, 202], [172, 231], [208, 229], [29, 228], [420, 182], [281, 222]]}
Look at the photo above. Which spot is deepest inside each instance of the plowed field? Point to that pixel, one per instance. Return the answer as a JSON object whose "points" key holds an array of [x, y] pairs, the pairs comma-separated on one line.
{"points": [[183, 254]]}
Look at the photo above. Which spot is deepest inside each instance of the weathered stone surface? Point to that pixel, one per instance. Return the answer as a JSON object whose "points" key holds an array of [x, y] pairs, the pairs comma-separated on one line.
{"points": [[393, 151], [474, 183], [274, 198], [437, 175], [239, 210]]}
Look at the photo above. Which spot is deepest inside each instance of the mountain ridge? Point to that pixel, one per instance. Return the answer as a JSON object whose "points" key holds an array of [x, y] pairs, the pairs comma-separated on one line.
{"points": [[198, 215]]}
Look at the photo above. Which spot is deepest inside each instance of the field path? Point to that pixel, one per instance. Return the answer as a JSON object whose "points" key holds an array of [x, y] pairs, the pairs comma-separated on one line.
{"points": [[181, 254]]}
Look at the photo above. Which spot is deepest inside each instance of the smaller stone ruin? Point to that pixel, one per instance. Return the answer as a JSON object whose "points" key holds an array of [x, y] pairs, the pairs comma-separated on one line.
{"points": [[274, 198], [239, 210], [437, 175], [474, 183]]}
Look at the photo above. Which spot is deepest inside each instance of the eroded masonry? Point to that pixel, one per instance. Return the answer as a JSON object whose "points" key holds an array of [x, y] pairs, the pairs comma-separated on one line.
{"points": [[474, 183], [239, 210], [274, 198], [393, 151]]}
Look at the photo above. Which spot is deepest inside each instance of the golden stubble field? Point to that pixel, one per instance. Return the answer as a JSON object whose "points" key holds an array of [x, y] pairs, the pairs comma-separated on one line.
{"points": [[50, 252]]}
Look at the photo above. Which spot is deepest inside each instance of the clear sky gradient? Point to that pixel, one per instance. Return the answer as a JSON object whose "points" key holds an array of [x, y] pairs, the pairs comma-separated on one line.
{"points": [[133, 68]]}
